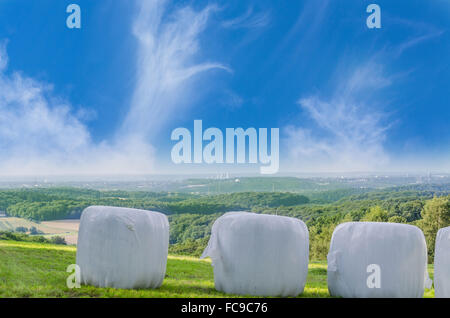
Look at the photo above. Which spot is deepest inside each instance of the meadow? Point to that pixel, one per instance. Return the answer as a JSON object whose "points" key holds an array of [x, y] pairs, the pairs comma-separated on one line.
{"points": [[30, 266], [39, 270]]}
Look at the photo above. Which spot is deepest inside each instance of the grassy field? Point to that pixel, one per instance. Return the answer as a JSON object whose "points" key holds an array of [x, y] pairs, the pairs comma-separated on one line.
{"points": [[39, 270]]}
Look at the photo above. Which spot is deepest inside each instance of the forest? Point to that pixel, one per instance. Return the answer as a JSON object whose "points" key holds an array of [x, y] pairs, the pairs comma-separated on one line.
{"points": [[192, 215]]}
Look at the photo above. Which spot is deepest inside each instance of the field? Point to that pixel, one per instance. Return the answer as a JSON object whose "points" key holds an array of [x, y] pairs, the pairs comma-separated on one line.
{"points": [[65, 228], [39, 270]]}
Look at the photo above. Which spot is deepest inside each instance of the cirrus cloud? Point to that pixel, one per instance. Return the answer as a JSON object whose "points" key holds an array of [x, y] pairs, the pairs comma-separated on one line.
{"points": [[42, 134], [348, 134]]}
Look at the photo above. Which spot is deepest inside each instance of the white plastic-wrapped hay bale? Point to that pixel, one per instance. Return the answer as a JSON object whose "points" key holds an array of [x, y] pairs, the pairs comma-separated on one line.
{"points": [[375, 259], [257, 254], [122, 247], [442, 264]]}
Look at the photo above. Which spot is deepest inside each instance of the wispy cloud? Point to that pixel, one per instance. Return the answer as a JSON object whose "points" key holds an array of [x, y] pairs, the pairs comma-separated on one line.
{"points": [[348, 127], [168, 54], [348, 133], [42, 134], [415, 41], [422, 32], [249, 19], [231, 100]]}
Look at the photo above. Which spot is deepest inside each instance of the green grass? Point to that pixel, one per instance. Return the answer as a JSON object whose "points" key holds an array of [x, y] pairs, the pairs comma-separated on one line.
{"points": [[39, 270]]}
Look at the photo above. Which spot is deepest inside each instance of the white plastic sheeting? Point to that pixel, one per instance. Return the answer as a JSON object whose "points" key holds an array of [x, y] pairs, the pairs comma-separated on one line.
{"points": [[122, 247], [375, 259], [442, 264], [257, 254]]}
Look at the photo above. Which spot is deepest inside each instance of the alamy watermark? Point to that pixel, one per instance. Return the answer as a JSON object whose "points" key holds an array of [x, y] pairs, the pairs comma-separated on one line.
{"points": [[73, 21], [232, 150], [374, 279], [374, 19], [74, 279]]}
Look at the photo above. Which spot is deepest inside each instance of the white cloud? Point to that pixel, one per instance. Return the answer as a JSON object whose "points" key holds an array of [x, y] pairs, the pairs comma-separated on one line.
{"points": [[231, 100], [367, 77], [421, 32], [41, 134], [168, 47], [248, 20], [349, 134]]}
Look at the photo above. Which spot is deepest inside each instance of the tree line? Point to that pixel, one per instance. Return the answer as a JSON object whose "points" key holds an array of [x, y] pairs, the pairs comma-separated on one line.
{"points": [[191, 216]]}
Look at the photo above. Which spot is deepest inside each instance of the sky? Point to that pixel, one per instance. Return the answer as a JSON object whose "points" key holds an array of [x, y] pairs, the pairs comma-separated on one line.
{"points": [[105, 98]]}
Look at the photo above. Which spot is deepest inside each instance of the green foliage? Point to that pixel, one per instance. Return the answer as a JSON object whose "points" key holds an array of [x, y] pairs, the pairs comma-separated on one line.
{"points": [[190, 227], [63, 203], [376, 214], [191, 215], [35, 231], [21, 229], [189, 247], [270, 199], [330, 196], [410, 210], [10, 236], [397, 219], [435, 215], [320, 238], [58, 240]]}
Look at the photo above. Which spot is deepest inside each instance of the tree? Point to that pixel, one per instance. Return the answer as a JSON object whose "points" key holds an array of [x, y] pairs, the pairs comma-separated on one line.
{"points": [[320, 240], [58, 240], [397, 219], [411, 210], [21, 229], [35, 231], [435, 215], [376, 214]]}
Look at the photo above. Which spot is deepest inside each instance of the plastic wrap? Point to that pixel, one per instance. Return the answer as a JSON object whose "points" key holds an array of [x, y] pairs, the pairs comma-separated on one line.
{"points": [[375, 259], [122, 247], [257, 254], [442, 264]]}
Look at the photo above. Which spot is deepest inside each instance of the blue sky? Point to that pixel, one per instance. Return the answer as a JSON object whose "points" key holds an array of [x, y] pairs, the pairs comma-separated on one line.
{"points": [[105, 98]]}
